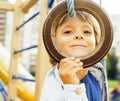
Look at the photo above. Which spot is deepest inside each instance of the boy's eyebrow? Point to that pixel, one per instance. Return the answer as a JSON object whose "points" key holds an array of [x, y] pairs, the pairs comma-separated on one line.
{"points": [[88, 26], [68, 25], [84, 25]]}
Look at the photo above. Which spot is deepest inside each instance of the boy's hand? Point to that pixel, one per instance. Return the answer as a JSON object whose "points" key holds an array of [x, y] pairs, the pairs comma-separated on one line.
{"points": [[68, 68]]}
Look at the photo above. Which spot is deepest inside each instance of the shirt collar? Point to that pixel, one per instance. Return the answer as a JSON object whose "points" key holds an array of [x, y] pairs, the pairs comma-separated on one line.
{"points": [[57, 75]]}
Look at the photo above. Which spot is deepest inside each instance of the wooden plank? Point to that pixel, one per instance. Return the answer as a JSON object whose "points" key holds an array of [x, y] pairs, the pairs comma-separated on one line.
{"points": [[4, 5], [2, 18], [28, 4], [2, 27], [15, 45], [2, 40], [2, 34], [43, 64]]}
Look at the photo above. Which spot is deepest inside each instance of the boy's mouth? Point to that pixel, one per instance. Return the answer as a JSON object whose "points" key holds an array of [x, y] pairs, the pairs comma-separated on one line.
{"points": [[78, 45]]}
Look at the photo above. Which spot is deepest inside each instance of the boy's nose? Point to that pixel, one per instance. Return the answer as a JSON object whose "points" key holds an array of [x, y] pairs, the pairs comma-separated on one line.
{"points": [[78, 36]]}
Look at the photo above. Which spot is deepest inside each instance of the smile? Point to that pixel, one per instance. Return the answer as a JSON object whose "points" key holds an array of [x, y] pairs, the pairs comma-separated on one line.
{"points": [[78, 45]]}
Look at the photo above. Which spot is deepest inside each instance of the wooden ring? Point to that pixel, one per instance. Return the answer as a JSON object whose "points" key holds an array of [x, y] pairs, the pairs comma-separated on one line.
{"points": [[95, 10]]}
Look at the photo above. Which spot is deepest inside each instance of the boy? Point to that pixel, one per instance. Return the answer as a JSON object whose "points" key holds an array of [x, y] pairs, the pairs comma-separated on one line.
{"points": [[68, 81]]}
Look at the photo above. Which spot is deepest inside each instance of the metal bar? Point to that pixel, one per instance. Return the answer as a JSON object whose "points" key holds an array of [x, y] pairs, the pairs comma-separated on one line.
{"points": [[27, 21], [22, 78], [25, 49]]}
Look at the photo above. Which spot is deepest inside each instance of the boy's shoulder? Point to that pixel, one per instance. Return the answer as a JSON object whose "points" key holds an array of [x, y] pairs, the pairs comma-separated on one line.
{"points": [[98, 71], [51, 71]]}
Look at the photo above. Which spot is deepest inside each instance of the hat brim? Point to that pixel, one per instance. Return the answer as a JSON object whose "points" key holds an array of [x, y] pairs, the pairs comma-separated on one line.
{"points": [[94, 9]]}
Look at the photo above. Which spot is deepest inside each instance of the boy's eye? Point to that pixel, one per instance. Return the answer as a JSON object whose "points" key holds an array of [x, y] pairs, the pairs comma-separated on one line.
{"points": [[68, 32], [87, 32]]}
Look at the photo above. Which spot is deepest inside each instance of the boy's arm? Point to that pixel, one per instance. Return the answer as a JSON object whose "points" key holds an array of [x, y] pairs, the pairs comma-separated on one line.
{"points": [[55, 90], [74, 92]]}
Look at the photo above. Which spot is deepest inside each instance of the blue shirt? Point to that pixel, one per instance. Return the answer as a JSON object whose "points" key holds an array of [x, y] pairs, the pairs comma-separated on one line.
{"points": [[93, 90]]}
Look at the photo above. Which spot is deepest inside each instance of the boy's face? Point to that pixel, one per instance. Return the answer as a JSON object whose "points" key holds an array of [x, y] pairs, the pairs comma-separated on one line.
{"points": [[75, 38]]}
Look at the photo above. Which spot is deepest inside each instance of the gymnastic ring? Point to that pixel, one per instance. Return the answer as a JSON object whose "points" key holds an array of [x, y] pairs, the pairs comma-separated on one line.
{"points": [[102, 18]]}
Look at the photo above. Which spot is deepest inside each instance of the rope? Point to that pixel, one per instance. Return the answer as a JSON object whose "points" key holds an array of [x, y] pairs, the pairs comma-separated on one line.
{"points": [[71, 8]]}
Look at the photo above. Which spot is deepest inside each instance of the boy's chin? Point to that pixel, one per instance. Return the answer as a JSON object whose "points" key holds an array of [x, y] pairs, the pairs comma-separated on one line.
{"points": [[79, 54]]}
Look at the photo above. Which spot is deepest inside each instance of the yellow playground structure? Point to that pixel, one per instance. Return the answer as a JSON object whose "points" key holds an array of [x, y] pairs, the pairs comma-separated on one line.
{"points": [[25, 88], [16, 83]]}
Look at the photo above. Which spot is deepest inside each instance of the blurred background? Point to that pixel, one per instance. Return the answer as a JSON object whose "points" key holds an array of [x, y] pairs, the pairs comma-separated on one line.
{"points": [[29, 37]]}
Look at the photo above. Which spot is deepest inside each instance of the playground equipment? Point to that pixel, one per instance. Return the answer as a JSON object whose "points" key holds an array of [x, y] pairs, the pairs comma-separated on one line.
{"points": [[10, 75], [2, 91], [26, 84]]}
